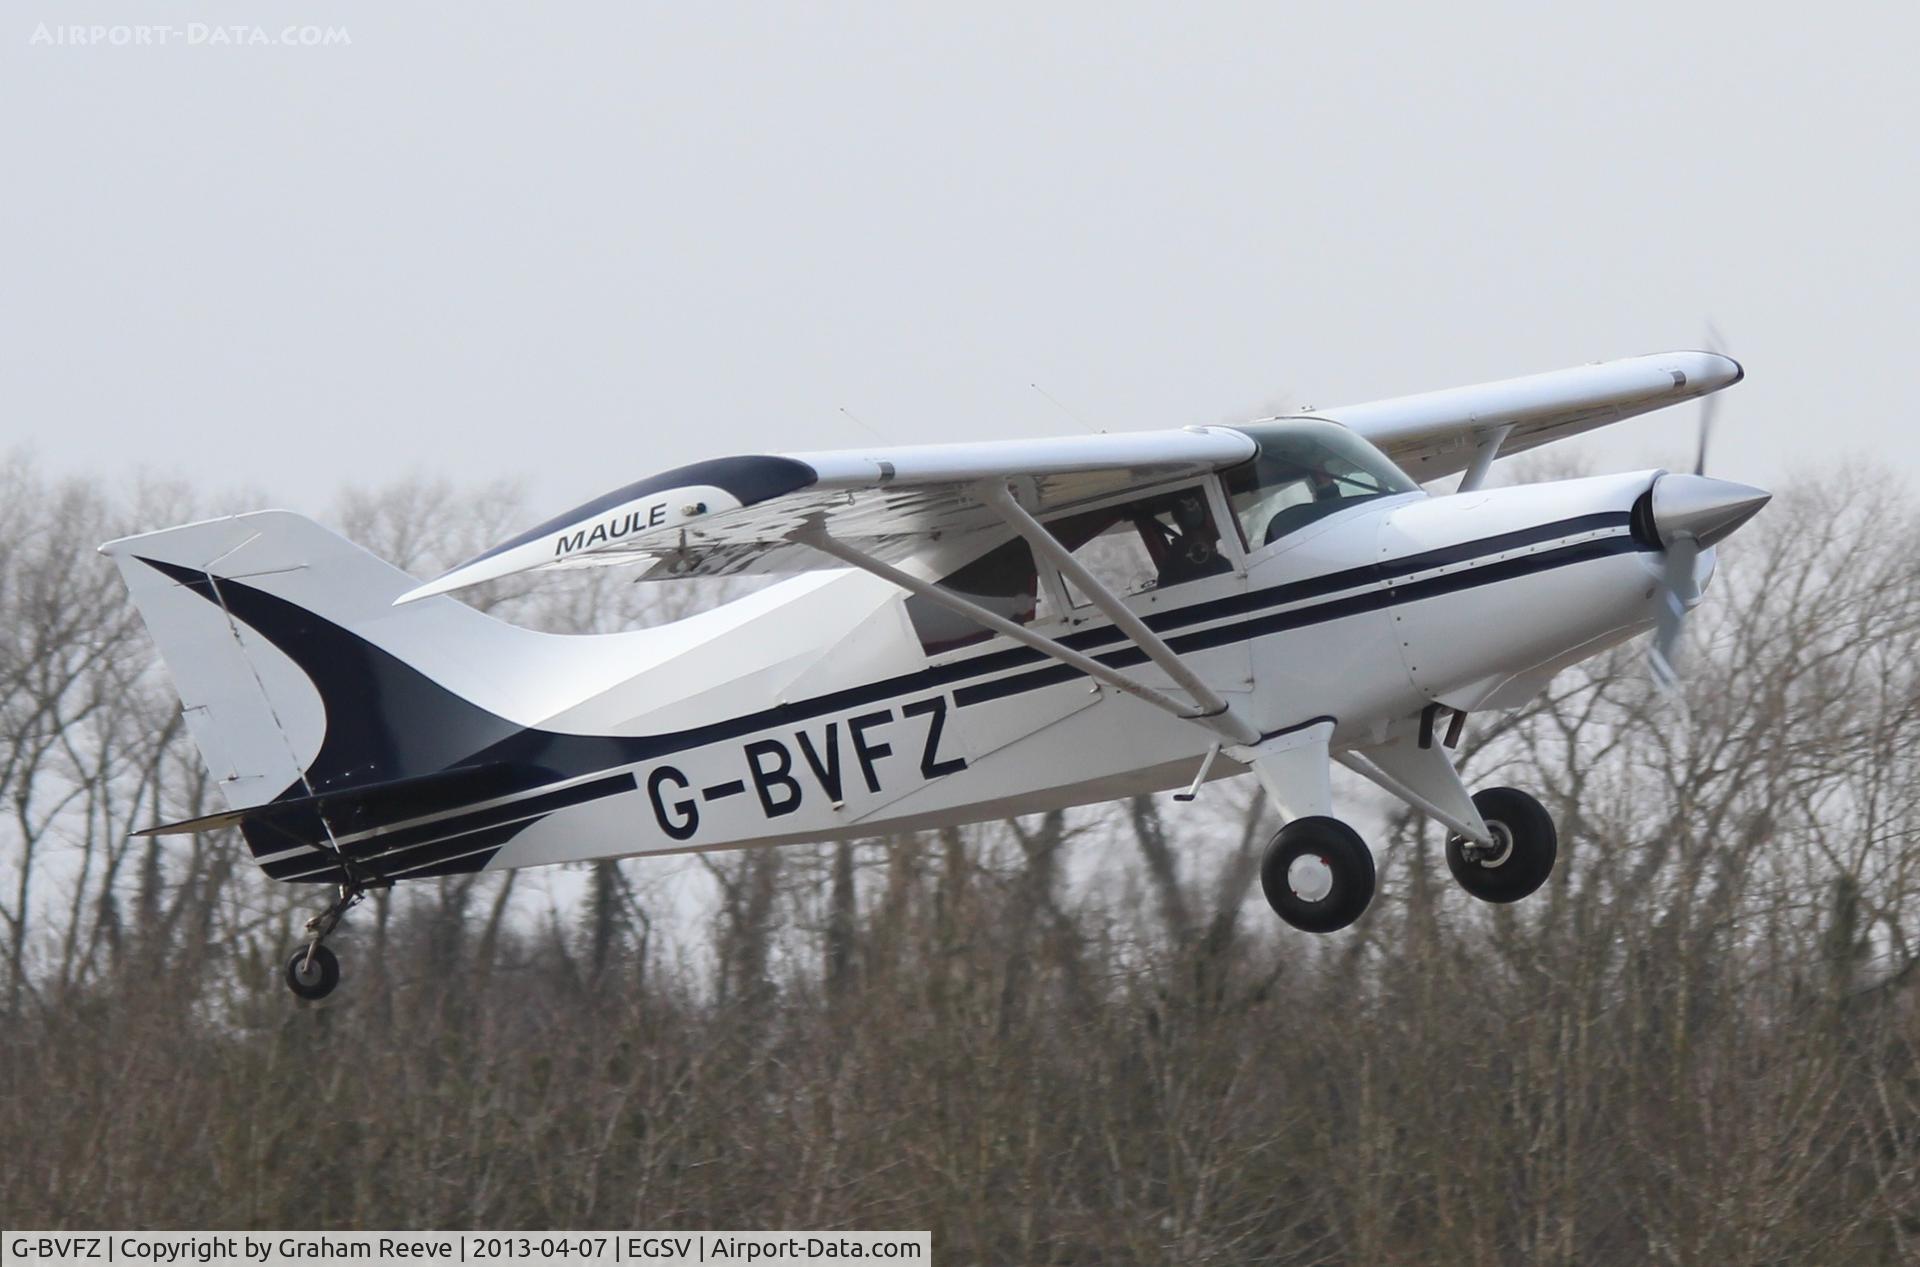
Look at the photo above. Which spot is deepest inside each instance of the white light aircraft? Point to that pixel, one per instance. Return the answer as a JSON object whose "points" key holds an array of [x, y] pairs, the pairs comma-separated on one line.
{"points": [[972, 631]]}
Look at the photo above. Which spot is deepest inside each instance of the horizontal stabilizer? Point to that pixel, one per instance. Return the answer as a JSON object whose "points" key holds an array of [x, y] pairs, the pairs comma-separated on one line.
{"points": [[351, 810]]}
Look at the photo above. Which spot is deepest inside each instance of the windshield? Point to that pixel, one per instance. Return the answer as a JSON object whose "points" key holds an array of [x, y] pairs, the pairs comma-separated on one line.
{"points": [[1306, 469]]}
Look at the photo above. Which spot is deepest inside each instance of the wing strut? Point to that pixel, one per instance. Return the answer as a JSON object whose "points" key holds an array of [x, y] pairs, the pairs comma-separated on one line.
{"points": [[1215, 718], [1044, 543], [1486, 449]]}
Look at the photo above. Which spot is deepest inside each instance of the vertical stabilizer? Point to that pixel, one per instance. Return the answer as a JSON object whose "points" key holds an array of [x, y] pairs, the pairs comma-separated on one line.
{"points": [[296, 672]]}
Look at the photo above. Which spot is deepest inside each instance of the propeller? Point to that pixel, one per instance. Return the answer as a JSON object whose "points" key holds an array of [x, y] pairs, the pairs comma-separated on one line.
{"points": [[1709, 404], [1690, 514], [1680, 590]]}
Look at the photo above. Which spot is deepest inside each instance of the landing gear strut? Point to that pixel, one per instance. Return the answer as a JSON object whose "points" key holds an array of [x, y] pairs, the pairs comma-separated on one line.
{"points": [[1521, 856], [313, 971], [1317, 874]]}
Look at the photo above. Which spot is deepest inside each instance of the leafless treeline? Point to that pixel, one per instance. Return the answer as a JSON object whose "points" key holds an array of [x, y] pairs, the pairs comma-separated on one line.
{"points": [[1074, 1038]]}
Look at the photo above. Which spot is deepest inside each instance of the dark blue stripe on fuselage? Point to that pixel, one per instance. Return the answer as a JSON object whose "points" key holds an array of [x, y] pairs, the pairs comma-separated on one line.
{"points": [[1351, 578], [1319, 613], [407, 847], [938, 677], [526, 807]]}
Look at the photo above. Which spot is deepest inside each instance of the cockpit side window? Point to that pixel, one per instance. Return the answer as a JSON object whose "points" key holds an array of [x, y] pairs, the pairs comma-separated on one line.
{"points": [[1306, 469], [1149, 544]]}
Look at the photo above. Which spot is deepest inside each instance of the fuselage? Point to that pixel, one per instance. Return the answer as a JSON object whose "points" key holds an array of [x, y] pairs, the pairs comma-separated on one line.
{"points": [[814, 710]]}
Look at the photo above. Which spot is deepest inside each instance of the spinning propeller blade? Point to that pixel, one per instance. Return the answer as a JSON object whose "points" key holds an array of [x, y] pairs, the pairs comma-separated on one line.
{"points": [[1691, 513], [1708, 405], [1681, 589]]}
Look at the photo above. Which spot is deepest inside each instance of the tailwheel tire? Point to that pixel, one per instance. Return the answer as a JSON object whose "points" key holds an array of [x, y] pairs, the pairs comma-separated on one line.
{"points": [[313, 978], [1317, 874], [1523, 852]]}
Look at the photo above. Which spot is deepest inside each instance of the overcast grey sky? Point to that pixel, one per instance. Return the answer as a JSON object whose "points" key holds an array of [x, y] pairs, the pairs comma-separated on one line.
{"points": [[582, 243]]}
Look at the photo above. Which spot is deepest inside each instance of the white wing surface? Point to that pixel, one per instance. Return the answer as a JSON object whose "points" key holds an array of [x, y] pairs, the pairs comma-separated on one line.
{"points": [[1435, 434], [737, 515], [740, 514]]}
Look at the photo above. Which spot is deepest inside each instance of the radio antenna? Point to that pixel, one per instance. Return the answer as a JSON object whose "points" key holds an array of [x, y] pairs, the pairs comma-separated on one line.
{"points": [[1099, 431], [863, 426]]}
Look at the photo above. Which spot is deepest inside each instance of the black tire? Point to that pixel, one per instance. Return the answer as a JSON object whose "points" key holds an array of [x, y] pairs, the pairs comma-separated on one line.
{"points": [[315, 979], [1524, 829], [1345, 869]]}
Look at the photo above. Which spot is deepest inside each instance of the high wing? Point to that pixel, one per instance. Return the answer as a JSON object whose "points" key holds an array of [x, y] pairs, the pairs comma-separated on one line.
{"points": [[1439, 433], [741, 514], [746, 514]]}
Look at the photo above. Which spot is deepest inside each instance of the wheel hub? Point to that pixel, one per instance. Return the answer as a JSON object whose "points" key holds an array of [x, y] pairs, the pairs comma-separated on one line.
{"points": [[1492, 855], [1310, 877]]}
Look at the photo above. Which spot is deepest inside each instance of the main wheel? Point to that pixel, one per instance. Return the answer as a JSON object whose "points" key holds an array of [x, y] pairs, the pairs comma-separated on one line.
{"points": [[313, 978], [1524, 847], [1317, 874]]}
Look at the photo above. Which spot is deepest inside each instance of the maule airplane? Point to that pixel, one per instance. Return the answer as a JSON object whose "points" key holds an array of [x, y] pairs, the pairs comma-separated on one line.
{"points": [[974, 631]]}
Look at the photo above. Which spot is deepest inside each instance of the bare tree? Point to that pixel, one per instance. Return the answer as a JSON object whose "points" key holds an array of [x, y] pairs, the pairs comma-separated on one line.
{"points": [[1075, 1037]]}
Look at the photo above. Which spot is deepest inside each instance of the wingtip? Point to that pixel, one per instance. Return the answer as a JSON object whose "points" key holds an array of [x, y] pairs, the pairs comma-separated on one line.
{"points": [[1725, 372]]}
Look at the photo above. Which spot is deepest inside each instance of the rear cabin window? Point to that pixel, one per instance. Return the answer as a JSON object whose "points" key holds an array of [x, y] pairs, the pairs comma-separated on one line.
{"points": [[1143, 545], [1149, 544], [1004, 580]]}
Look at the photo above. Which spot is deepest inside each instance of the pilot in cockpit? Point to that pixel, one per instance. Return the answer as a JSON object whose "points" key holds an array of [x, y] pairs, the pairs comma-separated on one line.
{"points": [[1192, 549]]}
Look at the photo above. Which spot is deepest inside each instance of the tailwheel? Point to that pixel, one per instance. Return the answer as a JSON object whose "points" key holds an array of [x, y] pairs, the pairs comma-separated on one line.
{"points": [[313, 972], [1317, 874], [1521, 856]]}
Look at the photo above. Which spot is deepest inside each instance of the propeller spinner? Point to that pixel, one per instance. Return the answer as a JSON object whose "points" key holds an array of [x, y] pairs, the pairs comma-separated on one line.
{"points": [[1691, 513]]}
